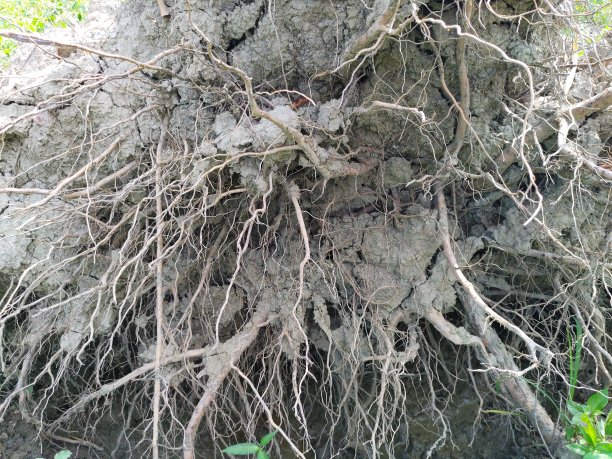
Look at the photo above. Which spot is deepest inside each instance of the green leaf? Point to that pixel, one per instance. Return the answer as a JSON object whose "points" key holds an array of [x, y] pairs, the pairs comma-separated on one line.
{"points": [[266, 439], [597, 401], [575, 408], [596, 455], [261, 454], [608, 426], [575, 356], [36, 16], [570, 431], [601, 429], [588, 429], [604, 447], [578, 419], [578, 449], [63, 454], [242, 449]]}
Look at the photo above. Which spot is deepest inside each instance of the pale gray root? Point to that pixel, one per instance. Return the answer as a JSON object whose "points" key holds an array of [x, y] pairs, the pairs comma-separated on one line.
{"points": [[496, 358]]}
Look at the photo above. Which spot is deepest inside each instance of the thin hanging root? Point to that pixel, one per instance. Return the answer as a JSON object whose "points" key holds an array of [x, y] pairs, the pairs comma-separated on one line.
{"points": [[25, 413], [273, 424], [294, 194], [159, 285]]}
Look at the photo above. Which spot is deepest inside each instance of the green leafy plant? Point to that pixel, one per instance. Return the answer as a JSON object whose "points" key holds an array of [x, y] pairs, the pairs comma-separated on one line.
{"points": [[36, 16], [598, 11], [245, 449], [594, 19], [589, 428]]}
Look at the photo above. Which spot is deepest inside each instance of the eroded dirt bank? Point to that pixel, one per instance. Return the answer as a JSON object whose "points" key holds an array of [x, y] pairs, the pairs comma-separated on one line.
{"points": [[372, 228]]}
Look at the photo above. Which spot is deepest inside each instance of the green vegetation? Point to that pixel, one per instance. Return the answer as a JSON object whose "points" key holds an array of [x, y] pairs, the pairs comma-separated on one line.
{"points": [[598, 11], [245, 449], [590, 428], [594, 18], [588, 433], [36, 16]]}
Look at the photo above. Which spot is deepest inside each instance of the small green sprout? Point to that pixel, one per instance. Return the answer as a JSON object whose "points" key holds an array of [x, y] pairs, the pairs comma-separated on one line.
{"points": [[244, 449]]}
